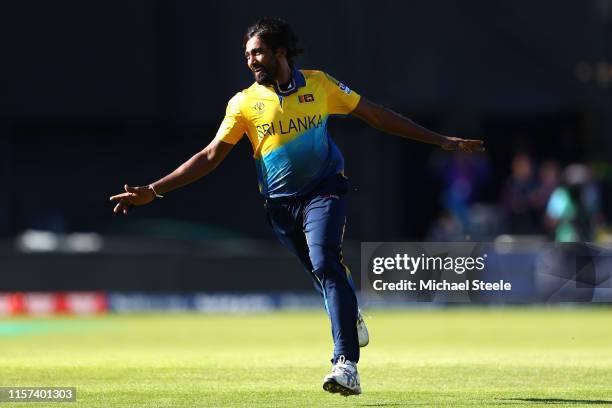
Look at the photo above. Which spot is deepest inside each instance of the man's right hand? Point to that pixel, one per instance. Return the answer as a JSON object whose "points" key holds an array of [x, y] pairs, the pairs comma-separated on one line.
{"points": [[133, 196]]}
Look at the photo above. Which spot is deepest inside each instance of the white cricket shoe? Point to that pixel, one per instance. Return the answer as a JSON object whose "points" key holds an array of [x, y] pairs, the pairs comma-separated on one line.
{"points": [[343, 379], [362, 330]]}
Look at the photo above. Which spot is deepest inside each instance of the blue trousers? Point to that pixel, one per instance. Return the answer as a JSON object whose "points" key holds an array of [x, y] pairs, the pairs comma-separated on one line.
{"points": [[312, 227]]}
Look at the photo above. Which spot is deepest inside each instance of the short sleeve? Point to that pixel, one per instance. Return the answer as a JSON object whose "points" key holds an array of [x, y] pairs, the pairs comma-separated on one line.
{"points": [[341, 99], [232, 128]]}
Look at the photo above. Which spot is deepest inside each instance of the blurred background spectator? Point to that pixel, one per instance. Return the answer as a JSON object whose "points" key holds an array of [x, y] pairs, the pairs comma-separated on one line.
{"points": [[519, 197], [573, 210], [463, 178]]}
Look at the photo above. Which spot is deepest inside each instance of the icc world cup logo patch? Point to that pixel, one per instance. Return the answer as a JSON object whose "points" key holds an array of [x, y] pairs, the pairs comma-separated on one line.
{"points": [[259, 107]]}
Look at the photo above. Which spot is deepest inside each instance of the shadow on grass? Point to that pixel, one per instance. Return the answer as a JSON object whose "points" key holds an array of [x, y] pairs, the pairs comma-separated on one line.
{"points": [[390, 404], [560, 401]]}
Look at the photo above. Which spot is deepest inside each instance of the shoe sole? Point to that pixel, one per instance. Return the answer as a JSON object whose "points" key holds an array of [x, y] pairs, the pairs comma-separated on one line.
{"points": [[366, 340], [333, 387]]}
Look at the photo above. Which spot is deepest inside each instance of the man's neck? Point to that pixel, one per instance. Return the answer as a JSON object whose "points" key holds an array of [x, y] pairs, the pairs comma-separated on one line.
{"points": [[283, 78]]}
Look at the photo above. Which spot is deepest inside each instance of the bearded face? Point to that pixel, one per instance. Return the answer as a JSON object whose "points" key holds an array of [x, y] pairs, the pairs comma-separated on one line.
{"points": [[265, 74], [262, 61]]}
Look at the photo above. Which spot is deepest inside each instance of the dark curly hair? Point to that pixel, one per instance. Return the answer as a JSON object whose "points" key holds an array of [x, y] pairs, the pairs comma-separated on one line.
{"points": [[275, 33]]}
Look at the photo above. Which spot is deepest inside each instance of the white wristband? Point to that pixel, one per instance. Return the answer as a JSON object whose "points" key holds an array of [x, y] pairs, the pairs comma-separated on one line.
{"points": [[155, 192]]}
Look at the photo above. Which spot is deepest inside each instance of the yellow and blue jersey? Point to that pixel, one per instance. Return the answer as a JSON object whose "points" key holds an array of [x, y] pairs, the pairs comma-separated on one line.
{"points": [[293, 151]]}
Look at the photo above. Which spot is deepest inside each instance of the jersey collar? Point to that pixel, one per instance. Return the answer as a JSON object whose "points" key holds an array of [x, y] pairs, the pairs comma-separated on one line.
{"points": [[297, 81]]}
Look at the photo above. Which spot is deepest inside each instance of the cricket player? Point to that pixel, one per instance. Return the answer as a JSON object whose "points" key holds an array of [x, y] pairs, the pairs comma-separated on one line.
{"points": [[300, 171]]}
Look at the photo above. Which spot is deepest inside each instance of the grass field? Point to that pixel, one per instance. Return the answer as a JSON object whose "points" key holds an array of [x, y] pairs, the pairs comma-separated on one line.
{"points": [[457, 357]]}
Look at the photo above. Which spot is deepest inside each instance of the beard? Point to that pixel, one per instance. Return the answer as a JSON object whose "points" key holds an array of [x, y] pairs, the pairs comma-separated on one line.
{"points": [[266, 74]]}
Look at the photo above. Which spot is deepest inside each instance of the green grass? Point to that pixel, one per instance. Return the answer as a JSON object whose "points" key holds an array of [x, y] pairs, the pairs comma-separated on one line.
{"points": [[458, 357]]}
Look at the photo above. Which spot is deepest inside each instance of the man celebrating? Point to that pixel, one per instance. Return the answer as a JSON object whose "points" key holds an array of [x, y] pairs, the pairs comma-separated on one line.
{"points": [[300, 172]]}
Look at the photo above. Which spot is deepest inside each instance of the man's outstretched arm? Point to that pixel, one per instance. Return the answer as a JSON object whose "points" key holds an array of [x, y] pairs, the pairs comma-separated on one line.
{"points": [[388, 121], [199, 165]]}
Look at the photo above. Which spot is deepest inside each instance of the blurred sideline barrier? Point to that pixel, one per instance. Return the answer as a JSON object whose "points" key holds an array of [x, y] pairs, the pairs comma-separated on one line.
{"points": [[92, 303], [40, 303], [148, 274], [45, 263]]}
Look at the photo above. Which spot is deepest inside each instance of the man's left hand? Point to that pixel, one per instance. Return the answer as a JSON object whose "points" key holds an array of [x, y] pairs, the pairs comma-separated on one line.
{"points": [[464, 145]]}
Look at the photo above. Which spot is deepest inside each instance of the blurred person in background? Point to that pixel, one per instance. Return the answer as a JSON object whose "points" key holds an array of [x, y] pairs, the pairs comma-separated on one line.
{"points": [[573, 210], [462, 177], [300, 172], [549, 178], [518, 197], [548, 181], [446, 228]]}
